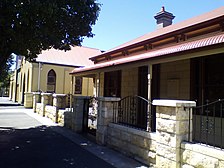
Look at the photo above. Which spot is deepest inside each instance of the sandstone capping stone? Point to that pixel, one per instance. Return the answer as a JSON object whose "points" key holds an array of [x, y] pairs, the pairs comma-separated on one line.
{"points": [[36, 93], [109, 99], [174, 103], [205, 150], [199, 160], [59, 95]]}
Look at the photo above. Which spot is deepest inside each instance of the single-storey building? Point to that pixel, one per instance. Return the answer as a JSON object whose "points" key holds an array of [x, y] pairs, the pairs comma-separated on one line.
{"points": [[146, 77]]}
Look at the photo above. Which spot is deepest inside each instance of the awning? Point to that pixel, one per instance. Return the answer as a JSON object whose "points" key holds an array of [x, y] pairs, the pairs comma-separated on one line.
{"points": [[218, 39]]}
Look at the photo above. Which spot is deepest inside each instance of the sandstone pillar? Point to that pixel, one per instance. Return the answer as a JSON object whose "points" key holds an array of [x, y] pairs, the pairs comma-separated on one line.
{"points": [[59, 102], [104, 117], [173, 125], [80, 108], [46, 99], [28, 99], [36, 99]]}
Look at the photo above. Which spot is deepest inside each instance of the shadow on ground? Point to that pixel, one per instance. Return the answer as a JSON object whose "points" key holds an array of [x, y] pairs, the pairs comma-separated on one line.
{"points": [[41, 147]]}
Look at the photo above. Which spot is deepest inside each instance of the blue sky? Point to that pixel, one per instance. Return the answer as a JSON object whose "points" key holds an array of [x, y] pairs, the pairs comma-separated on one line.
{"points": [[123, 20]]}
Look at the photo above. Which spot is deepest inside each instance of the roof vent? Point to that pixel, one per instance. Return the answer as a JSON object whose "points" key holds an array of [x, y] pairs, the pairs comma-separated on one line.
{"points": [[163, 18]]}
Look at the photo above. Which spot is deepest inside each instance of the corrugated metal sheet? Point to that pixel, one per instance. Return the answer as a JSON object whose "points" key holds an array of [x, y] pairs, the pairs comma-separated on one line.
{"points": [[172, 28], [77, 56], [157, 53]]}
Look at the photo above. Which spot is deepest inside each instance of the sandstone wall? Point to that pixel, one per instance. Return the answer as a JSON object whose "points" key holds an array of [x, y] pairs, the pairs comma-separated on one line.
{"points": [[196, 155], [137, 144]]}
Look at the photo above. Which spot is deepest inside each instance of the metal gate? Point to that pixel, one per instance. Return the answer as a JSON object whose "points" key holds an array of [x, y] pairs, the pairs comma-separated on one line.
{"points": [[90, 115]]}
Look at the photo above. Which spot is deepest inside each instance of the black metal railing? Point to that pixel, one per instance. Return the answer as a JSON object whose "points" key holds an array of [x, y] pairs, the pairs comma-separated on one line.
{"points": [[208, 123], [134, 111]]}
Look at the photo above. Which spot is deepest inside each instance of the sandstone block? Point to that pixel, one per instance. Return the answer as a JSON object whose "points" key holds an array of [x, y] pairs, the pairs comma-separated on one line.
{"points": [[199, 160], [162, 162]]}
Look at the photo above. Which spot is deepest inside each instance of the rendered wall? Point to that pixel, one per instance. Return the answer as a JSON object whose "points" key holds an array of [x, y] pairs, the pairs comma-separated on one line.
{"points": [[60, 78]]}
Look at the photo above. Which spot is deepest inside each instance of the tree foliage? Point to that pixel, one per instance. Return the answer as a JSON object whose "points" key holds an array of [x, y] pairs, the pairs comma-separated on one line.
{"points": [[6, 73], [29, 26]]}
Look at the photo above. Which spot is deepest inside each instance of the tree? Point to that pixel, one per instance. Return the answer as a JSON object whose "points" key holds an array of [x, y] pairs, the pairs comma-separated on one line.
{"points": [[29, 26], [5, 75]]}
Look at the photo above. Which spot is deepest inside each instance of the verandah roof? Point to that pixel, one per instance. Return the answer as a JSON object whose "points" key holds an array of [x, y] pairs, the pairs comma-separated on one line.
{"points": [[209, 18], [209, 41]]}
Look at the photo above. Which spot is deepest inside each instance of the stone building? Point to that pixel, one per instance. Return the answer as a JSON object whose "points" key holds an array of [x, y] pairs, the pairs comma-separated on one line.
{"points": [[161, 95]]}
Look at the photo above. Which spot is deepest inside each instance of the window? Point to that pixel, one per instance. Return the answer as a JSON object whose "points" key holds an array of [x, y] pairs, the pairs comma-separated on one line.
{"points": [[51, 81], [112, 84], [78, 85], [207, 80]]}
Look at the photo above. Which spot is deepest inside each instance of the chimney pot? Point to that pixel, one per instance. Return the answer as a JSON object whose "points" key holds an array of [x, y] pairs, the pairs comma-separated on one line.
{"points": [[163, 18]]}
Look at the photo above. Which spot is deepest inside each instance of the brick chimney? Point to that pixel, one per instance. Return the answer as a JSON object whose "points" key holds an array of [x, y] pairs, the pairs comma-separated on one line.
{"points": [[163, 18]]}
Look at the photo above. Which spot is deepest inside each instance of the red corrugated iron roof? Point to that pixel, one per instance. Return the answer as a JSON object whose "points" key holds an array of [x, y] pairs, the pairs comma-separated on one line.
{"points": [[218, 39], [77, 56], [172, 28]]}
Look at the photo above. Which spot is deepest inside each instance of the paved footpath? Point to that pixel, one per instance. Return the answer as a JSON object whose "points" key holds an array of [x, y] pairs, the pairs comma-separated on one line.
{"points": [[28, 140]]}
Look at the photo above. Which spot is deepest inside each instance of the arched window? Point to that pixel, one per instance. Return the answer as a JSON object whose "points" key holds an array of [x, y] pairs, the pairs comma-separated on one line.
{"points": [[51, 81], [78, 85]]}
